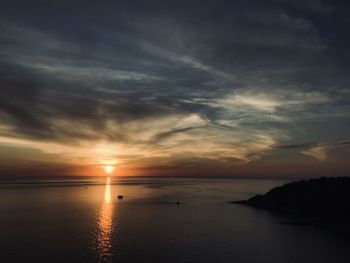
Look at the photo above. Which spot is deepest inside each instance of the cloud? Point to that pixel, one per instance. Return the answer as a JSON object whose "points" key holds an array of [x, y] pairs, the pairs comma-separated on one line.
{"points": [[271, 100], [295, 146], [261, 103], [318, 152], [186, 60], [174, 83], [312, 144], [185, 124]]}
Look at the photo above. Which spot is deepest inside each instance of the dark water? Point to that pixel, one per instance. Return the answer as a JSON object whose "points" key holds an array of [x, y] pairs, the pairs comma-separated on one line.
{"points": [[81, 220]]}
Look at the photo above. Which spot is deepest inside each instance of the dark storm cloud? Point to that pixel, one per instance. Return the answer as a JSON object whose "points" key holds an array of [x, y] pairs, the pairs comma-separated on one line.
{"points": [[239, 76]]}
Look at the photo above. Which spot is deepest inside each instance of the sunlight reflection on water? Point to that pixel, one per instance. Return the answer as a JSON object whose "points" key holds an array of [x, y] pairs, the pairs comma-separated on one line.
{"points": [[105, 223]]}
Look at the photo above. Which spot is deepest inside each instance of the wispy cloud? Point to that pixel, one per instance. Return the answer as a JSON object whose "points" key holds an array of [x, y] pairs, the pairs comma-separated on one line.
{"points": [[271, 100], [318, 152]]}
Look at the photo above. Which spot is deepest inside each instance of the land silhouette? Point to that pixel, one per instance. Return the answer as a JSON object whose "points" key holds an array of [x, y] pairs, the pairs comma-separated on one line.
{"points": [[322, 201]]}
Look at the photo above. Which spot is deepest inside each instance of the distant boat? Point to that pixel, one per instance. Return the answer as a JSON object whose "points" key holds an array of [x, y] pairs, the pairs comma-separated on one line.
{"points": [[120, 197]]}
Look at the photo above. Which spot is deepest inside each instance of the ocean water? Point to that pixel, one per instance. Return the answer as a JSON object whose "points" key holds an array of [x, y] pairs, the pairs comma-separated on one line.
{"points": [[81, 220]]}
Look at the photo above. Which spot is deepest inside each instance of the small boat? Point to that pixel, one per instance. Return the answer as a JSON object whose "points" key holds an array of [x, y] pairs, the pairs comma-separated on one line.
{"points": [[120, 197]]}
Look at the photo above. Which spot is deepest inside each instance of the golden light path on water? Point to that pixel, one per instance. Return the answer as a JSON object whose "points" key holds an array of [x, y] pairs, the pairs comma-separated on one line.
{"points": [[104, 242]]}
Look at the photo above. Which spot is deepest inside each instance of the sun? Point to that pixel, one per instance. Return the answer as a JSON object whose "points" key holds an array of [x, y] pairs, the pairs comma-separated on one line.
{"points": [[109, 169]]}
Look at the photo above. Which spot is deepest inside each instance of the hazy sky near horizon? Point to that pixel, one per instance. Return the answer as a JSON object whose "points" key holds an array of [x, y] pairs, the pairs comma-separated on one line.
{"points": [[258, 87]]}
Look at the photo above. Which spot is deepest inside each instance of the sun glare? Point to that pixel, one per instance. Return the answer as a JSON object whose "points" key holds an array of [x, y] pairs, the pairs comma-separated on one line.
{"points": [[109, 169]]}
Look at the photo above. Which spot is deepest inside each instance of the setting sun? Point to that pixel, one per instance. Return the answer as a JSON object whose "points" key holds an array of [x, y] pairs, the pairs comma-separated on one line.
{"points": [[109, 169]]}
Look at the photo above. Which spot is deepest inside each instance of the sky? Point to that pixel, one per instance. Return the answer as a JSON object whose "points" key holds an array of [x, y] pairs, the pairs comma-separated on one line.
{"points": [[204, 88]]}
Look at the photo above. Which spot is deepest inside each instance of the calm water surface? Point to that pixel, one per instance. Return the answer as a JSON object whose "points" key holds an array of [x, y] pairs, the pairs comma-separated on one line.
{"points": [[81, 220]]}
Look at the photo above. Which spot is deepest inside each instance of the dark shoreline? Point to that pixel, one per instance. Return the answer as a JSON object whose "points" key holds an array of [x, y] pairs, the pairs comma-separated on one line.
{"points": [[322, 202]]}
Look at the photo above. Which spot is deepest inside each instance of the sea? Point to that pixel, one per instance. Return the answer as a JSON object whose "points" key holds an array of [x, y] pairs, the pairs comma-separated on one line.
{"points": [[155, 219]]}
